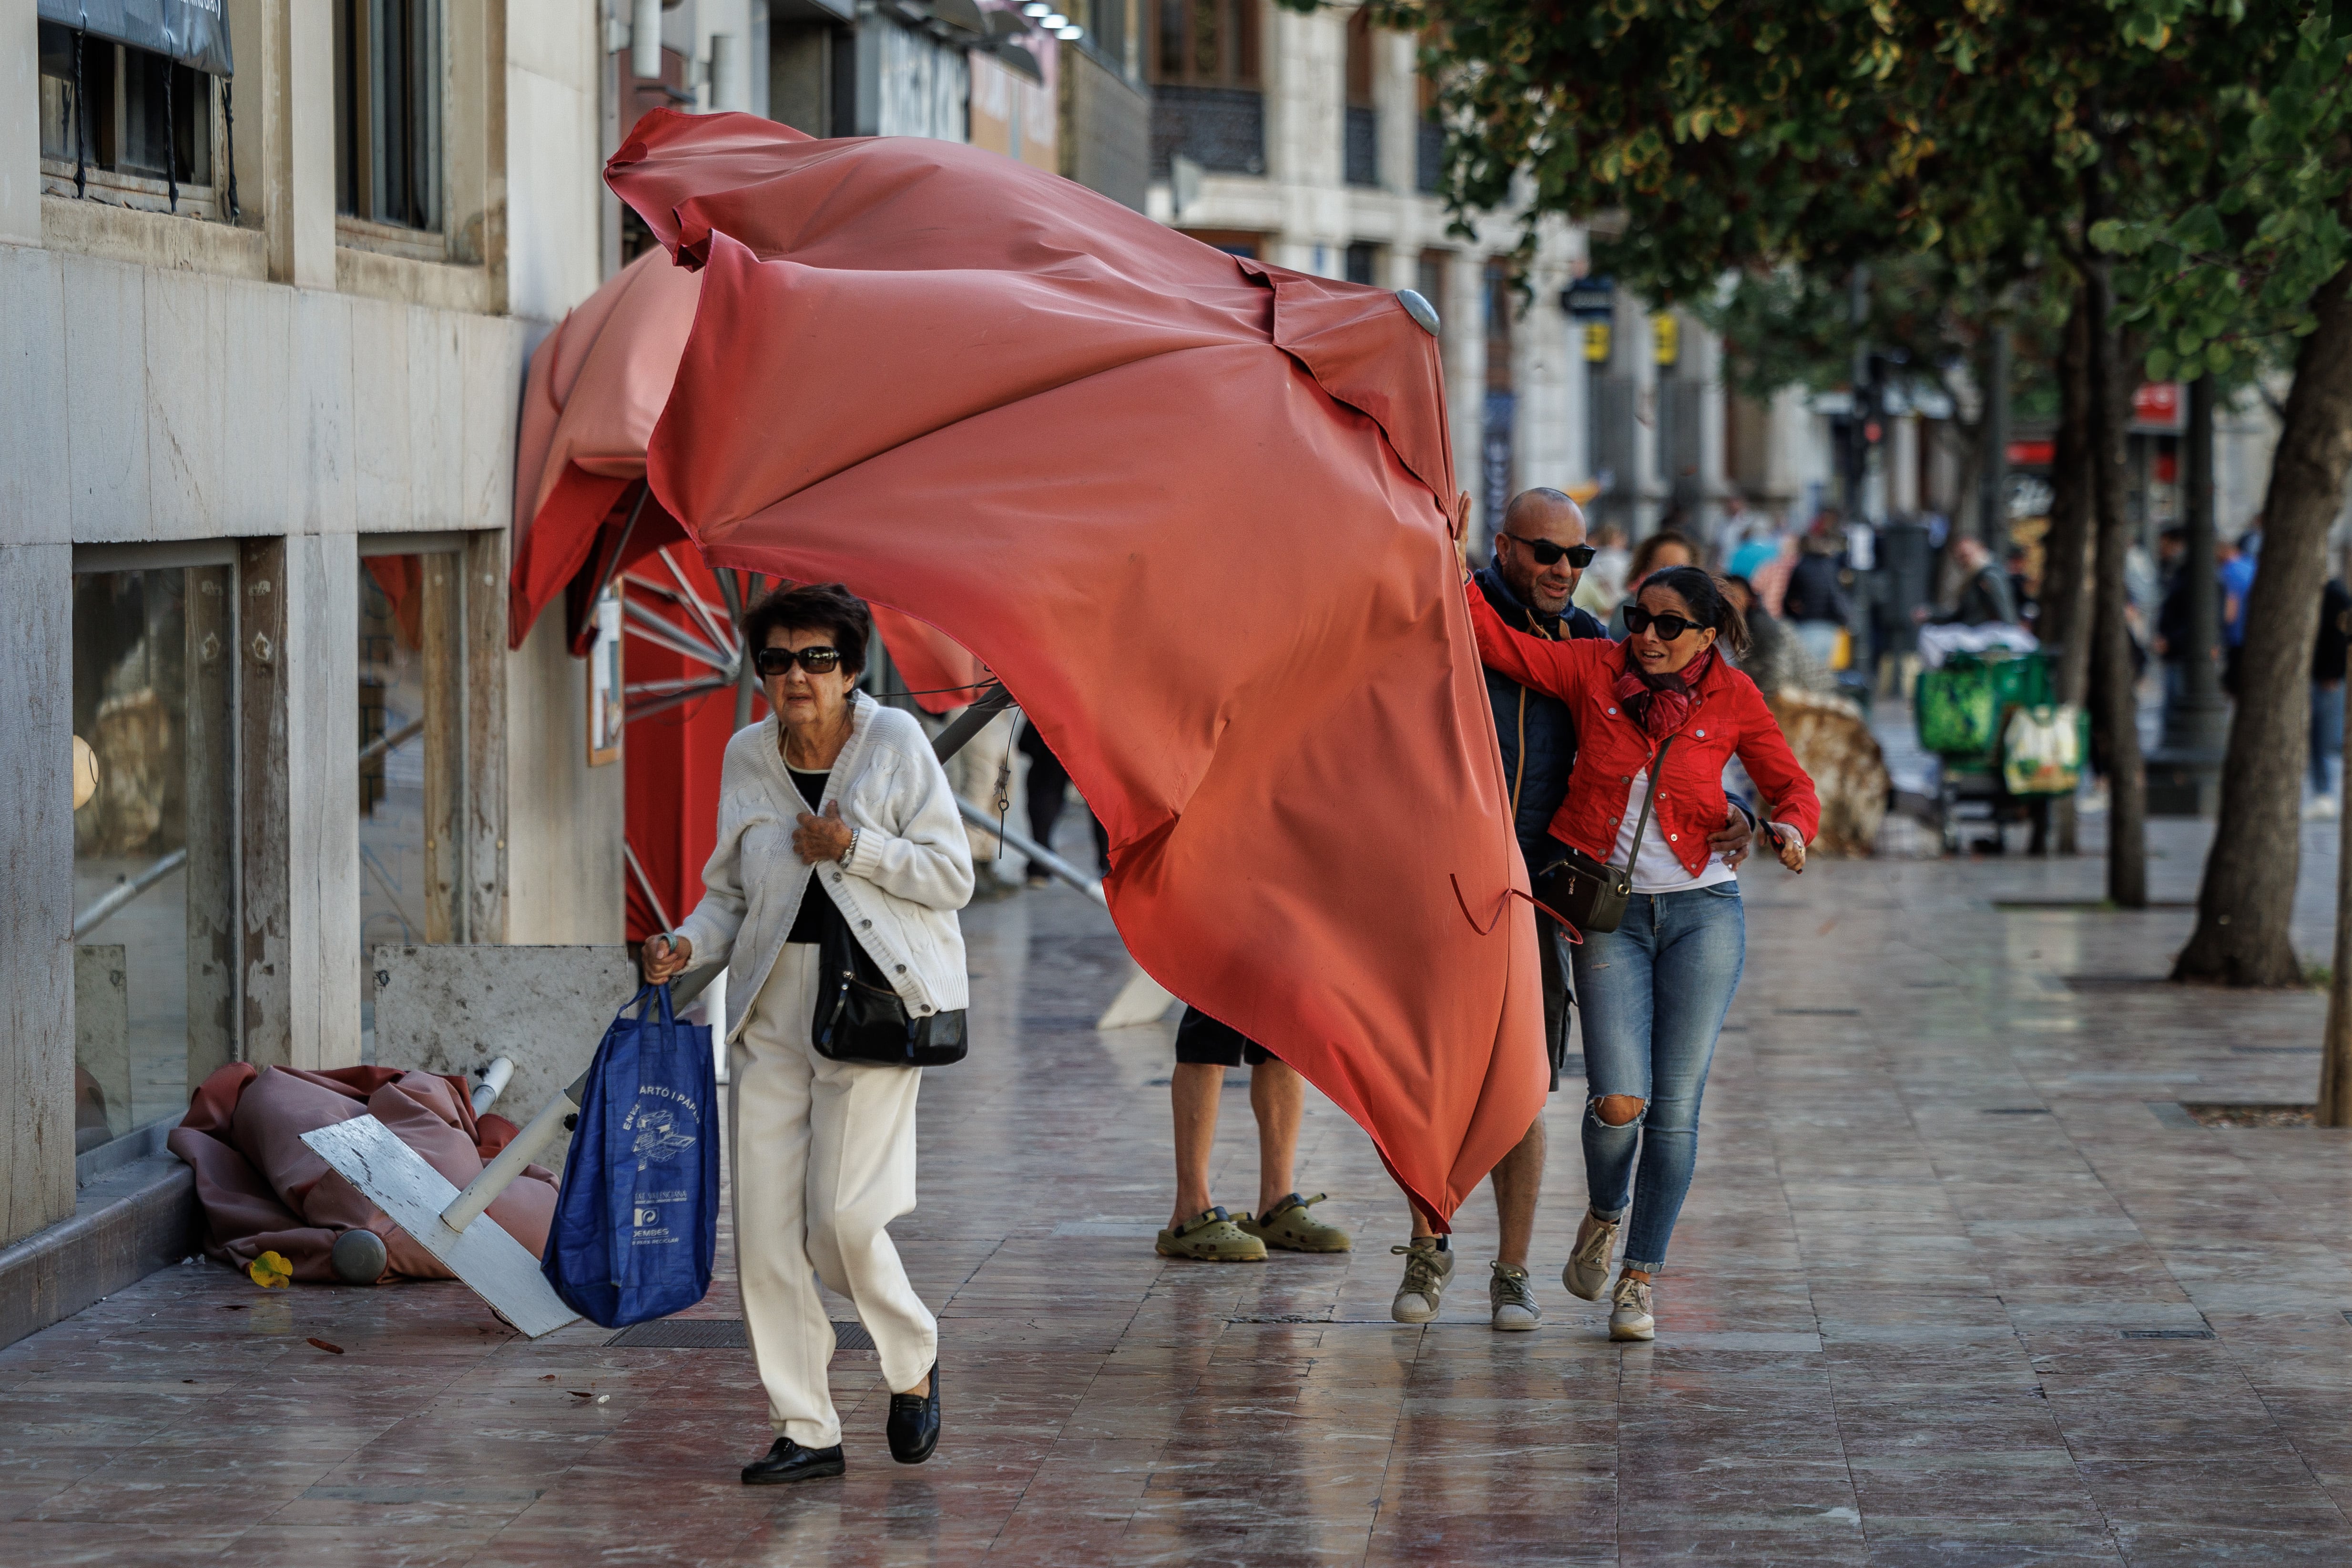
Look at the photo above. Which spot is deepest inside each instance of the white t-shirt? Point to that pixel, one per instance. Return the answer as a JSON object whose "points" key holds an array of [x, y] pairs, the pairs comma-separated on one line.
{"points": [[1658, 871]]}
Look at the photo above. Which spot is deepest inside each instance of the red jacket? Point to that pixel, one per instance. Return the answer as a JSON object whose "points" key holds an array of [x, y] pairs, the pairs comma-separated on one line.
{"points": [[1728, 715]]}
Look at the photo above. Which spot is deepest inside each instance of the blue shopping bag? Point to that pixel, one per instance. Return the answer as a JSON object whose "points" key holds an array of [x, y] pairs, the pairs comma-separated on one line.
{"points": [[636, 1220]]}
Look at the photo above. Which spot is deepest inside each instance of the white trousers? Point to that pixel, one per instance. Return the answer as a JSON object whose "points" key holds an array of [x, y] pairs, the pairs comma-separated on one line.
{"points": [[824, 1161]]}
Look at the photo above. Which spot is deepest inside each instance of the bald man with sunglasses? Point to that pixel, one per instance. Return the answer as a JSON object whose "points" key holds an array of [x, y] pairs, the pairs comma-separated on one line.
{"points": [[1540, 554]]}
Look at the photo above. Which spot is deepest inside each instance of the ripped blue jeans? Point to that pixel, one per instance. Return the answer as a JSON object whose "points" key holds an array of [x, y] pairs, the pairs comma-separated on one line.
{"points": [[1655, 992]]}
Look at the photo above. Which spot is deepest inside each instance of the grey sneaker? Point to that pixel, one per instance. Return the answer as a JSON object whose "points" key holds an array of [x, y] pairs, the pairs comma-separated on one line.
{"points": [[1587, 1274], [1513, 1302], [1628, 1317], [1427, 1272]]}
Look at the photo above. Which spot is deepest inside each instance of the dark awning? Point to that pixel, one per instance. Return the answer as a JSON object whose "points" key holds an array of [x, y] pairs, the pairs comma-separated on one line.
{"points": [[193, 32]]}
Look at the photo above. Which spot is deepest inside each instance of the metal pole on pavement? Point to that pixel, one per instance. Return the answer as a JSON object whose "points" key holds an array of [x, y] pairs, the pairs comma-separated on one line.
{"points": [[2184, 775]]}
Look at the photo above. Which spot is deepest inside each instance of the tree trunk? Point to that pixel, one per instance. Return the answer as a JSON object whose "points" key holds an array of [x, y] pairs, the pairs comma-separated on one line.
{"points": [[2065, 620], [2243, 909], [1992, 481], [2114, 695]]}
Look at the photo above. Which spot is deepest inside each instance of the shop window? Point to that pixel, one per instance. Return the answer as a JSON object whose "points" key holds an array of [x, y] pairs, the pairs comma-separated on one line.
{"points": [[388, 112], [154, 886], [410, 773], [137, 124]]}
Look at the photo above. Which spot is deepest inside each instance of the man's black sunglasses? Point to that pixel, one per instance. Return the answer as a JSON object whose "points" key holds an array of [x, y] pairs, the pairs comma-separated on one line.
{"points": [[815, 660], [1669, 627], [1546, 553]]}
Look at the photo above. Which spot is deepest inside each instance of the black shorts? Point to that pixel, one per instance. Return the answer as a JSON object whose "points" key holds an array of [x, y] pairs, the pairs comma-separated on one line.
{"points": [[1204, 1042]]}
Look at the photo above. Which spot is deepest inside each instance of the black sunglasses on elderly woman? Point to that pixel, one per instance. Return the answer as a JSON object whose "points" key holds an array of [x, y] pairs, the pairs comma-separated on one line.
{"points": [[1546, 553], [815, 660], [1669, 627]]}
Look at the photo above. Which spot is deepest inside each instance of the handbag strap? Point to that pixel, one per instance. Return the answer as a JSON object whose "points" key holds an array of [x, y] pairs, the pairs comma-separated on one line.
{"points": [[1640, 825], [649, 996]]}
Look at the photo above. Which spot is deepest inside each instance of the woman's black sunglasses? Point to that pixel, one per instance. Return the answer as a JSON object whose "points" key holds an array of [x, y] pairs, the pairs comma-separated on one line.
{"points": [[1546, 553], [815, 660], [1669, 627]]}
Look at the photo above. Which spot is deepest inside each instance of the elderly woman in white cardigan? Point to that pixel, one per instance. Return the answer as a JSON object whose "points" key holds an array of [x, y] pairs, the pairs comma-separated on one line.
{"points": [[832, 809]]}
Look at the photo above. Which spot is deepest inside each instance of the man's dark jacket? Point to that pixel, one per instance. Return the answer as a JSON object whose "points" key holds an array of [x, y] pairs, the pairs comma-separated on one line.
{"points": [[1537, 734]]}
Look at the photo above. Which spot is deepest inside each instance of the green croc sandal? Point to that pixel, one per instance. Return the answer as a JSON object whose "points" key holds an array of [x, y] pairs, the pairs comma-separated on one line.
{"points": [[1211, 1236], [1289, 1226]]}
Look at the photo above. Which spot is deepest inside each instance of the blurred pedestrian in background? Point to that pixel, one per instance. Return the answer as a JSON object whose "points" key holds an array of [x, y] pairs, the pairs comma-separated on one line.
{"points": [[2237, 572], [1774, 660], [1664, 549], [1752, 555], [2327, 661], [2171, 636], [1815, 602], [1602, 582], [1048, 789], [1984, 595]]}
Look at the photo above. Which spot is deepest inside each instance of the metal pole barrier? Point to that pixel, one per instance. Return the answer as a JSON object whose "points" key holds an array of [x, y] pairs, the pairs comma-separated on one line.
{"points": [[1014, 838]]}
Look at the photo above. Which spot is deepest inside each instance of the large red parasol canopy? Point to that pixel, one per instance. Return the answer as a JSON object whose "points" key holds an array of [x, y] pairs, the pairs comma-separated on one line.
{"points": [[1193, 512]]}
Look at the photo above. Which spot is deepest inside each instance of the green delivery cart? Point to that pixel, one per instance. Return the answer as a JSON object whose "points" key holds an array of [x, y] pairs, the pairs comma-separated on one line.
{"points": [[1961, 708]]}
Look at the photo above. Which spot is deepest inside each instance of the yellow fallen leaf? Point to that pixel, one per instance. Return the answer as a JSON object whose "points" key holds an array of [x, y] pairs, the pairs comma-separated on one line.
{"points": [[270, 1268]]}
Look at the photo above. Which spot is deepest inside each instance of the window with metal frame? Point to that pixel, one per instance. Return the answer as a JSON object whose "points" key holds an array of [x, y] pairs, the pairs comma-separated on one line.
{"points": [[137, 125], [388, 112]]}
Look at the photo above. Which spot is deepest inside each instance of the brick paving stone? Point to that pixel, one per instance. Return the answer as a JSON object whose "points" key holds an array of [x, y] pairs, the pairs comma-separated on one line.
{"points": [[1933, 1198]]}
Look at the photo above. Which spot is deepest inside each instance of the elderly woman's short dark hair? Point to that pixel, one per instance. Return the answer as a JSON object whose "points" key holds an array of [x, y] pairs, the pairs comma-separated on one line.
{"points": [[827, 608]]}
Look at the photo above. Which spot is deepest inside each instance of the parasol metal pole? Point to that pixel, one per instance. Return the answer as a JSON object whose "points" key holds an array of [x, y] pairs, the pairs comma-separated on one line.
{"points": [[614, 566], [970, 722], [747, 677], [548, 1124], [1038, 855]]}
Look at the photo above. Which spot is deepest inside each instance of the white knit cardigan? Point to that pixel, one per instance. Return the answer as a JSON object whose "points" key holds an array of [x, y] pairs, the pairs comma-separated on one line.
{"points": [[911, 872]]}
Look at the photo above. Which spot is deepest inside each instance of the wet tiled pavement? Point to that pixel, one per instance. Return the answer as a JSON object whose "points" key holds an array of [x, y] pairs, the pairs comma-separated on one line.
{"points": [[1950, 1290]]}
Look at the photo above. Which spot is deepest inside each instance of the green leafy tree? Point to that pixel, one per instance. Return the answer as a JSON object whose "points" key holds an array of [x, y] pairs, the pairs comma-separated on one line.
{"points": [[1819, 135], [2252, 267]]}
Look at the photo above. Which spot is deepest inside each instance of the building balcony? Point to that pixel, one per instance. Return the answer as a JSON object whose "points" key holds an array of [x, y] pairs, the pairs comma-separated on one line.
{"points": [[1223, 129]]}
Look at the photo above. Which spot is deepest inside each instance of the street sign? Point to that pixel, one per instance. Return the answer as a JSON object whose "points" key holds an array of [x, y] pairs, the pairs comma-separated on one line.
{"points": [[2158, 408], [1666, 333], [1589, 299], [1596, 342]]}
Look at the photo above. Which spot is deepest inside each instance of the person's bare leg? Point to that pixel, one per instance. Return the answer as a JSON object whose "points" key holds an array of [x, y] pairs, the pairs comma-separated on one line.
{"points": [[1192, 1093], [1278, 1096], [1518, 1181]]}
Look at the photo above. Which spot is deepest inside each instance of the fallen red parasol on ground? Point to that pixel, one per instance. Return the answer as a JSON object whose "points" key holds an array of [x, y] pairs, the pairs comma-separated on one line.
{"points": [[1193, 512]]}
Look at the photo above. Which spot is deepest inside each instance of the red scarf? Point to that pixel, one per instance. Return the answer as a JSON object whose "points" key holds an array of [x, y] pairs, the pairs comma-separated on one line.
{"points": [[1659, 703]]}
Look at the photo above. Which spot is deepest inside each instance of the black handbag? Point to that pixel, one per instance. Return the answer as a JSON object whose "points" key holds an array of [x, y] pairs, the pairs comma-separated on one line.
{"points": [[1590, 894], [860, 1018]]}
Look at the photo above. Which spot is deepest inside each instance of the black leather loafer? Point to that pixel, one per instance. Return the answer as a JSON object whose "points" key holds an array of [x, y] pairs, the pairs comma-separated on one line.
{"points": [[914, 1422], [788, 1461]]}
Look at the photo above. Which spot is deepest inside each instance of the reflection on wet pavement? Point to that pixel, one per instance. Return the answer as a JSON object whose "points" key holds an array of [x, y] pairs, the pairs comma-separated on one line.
{"points": [[1948, 1290]]}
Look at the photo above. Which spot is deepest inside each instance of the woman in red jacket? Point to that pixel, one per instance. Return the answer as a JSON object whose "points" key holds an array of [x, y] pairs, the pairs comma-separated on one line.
{"points": [[1654, 990]]}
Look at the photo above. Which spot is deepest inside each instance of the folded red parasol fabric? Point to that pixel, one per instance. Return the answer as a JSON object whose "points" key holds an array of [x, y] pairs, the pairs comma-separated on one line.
{"points": [[1195, 513]]}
